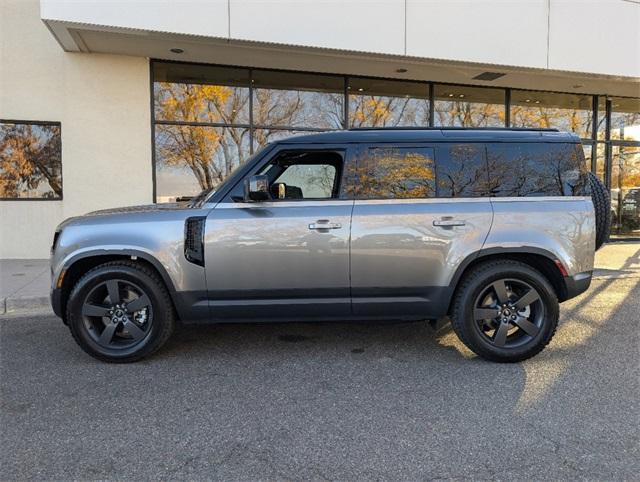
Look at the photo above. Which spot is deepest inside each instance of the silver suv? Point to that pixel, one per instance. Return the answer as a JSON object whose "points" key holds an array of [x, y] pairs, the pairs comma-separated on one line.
{"points": [[492, 228]]}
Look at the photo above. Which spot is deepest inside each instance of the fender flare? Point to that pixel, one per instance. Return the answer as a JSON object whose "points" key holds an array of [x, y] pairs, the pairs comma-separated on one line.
{"points": [[496, 251], [130, 252]]}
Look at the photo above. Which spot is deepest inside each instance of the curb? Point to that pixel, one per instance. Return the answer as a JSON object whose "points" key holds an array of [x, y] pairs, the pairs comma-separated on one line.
{"points": [[25, 304]]}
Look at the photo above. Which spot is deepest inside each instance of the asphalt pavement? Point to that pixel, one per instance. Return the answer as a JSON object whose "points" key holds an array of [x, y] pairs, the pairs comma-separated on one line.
{"points": [[329, 401]]}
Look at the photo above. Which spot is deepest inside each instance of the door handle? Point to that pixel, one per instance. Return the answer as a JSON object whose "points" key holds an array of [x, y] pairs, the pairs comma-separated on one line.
{"points": [[324, 224], [449, 222]]}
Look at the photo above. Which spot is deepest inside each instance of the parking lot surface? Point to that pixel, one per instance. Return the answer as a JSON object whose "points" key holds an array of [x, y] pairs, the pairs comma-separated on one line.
{"points": [[330, 401]]}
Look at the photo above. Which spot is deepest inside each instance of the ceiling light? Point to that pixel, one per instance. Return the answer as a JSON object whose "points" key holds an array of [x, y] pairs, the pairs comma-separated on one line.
{"points": [[450, 95], [461, 96], [537, 101], [360, 89], [489, 76], [401, 71], [527, 100], [176, 51]]}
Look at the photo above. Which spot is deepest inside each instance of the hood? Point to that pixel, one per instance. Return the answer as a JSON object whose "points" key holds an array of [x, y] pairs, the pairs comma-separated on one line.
{"points": [[141, 209], [145, 208]]}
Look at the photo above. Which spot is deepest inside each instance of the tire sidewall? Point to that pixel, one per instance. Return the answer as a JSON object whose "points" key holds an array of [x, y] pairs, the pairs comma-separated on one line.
{"points": [[93, 279], [602, 209], [533, 346]]}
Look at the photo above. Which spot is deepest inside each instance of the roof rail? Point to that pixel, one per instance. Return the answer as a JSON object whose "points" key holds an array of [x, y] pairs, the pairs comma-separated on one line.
{"points": [[525, 129]]}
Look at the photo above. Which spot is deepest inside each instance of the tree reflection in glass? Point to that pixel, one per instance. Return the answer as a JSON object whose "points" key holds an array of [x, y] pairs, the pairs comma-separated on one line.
{"points": [[30, 161], [393, 173]]}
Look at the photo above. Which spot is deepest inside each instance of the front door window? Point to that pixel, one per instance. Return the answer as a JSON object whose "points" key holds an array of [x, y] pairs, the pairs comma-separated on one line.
{"points": [[304, 175]]}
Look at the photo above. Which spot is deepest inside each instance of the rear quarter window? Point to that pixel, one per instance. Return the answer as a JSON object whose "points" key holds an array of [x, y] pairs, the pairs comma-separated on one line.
{"points": [[536, 169]]}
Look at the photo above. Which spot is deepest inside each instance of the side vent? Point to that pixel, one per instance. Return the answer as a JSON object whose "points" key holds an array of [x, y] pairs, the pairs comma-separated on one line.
{"points": [[194, 239]]}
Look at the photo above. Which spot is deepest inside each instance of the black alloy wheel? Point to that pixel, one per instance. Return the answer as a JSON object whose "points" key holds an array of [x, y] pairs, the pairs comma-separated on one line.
{"points": [[505, 310], [508, 312], [117, 314], [120, 311]]}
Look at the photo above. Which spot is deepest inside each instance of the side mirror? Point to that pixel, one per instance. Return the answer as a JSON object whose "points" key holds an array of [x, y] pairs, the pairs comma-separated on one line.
{"points": [[256, 188]]}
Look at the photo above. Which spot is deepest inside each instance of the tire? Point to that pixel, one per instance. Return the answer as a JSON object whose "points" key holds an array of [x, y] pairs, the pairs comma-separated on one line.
{"points": [[602, 207], [140, 321], [493, 338]]}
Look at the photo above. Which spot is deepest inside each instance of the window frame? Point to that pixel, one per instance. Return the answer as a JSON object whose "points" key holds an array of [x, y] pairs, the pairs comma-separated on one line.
{"points": [[344, 150], [42, 123]]}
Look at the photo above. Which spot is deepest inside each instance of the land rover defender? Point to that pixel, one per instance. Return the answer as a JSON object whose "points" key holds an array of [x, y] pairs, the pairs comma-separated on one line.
{"points": [[492, 228]]}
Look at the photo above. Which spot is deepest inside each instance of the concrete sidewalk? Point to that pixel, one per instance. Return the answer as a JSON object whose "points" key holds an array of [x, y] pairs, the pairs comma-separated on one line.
{"points": [[24, 283]]}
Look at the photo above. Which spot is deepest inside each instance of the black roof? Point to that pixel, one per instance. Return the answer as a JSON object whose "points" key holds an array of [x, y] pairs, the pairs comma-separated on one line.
{"points": [[434, 134]]}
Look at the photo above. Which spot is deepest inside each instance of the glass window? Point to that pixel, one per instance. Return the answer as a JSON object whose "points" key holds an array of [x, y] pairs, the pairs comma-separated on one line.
{"points": [[587, 147], [190, 159], [625, 119], [297, 100], [625, 188], [536, 169], [201, 93], [262, 137], [306, 181], [394, 173], [601, 148], [457, 106], [462, 171], [387, 103], [30, 160], [299, 174], [567, 112]]}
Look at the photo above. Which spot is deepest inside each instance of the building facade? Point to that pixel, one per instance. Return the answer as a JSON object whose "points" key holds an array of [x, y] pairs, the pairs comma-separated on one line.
{"points": [[108, 103]]}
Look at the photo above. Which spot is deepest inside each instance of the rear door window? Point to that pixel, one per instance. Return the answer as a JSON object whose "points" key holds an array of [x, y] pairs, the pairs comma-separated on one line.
{"points": [[536, 169], [462, 171], [394, 173]]}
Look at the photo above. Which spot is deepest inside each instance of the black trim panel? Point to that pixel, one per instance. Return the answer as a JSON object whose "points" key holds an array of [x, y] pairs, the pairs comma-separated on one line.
{"points": [[577, 284], [277, 305], [56, 303], [425, 303]]}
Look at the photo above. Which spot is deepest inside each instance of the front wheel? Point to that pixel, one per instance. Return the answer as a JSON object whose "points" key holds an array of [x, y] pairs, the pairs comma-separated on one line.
{"points": [[120, 312], [505, 311]]}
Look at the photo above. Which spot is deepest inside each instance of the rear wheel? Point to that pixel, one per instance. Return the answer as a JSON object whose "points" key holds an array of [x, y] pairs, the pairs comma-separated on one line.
{"points": [[505, 311], [120, 312]]}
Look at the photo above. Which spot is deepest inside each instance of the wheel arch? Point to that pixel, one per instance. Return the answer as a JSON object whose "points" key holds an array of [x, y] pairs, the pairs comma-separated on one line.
{"points": [[78, 265], [538, 258]]}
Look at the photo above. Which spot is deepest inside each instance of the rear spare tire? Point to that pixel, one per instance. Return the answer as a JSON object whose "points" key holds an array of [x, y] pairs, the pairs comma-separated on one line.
{"points": [[602, 207]]}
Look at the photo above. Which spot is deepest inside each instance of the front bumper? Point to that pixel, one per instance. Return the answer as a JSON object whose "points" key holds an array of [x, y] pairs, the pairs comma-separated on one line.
{"points": [[577, 284]]}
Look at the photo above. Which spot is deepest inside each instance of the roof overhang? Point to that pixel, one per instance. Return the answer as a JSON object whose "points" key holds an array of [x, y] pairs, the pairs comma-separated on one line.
{"points": [[89, 38]]}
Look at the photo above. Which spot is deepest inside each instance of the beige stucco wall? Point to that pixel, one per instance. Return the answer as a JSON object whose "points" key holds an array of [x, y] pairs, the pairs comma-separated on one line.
{"points": [[102, 102]]}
